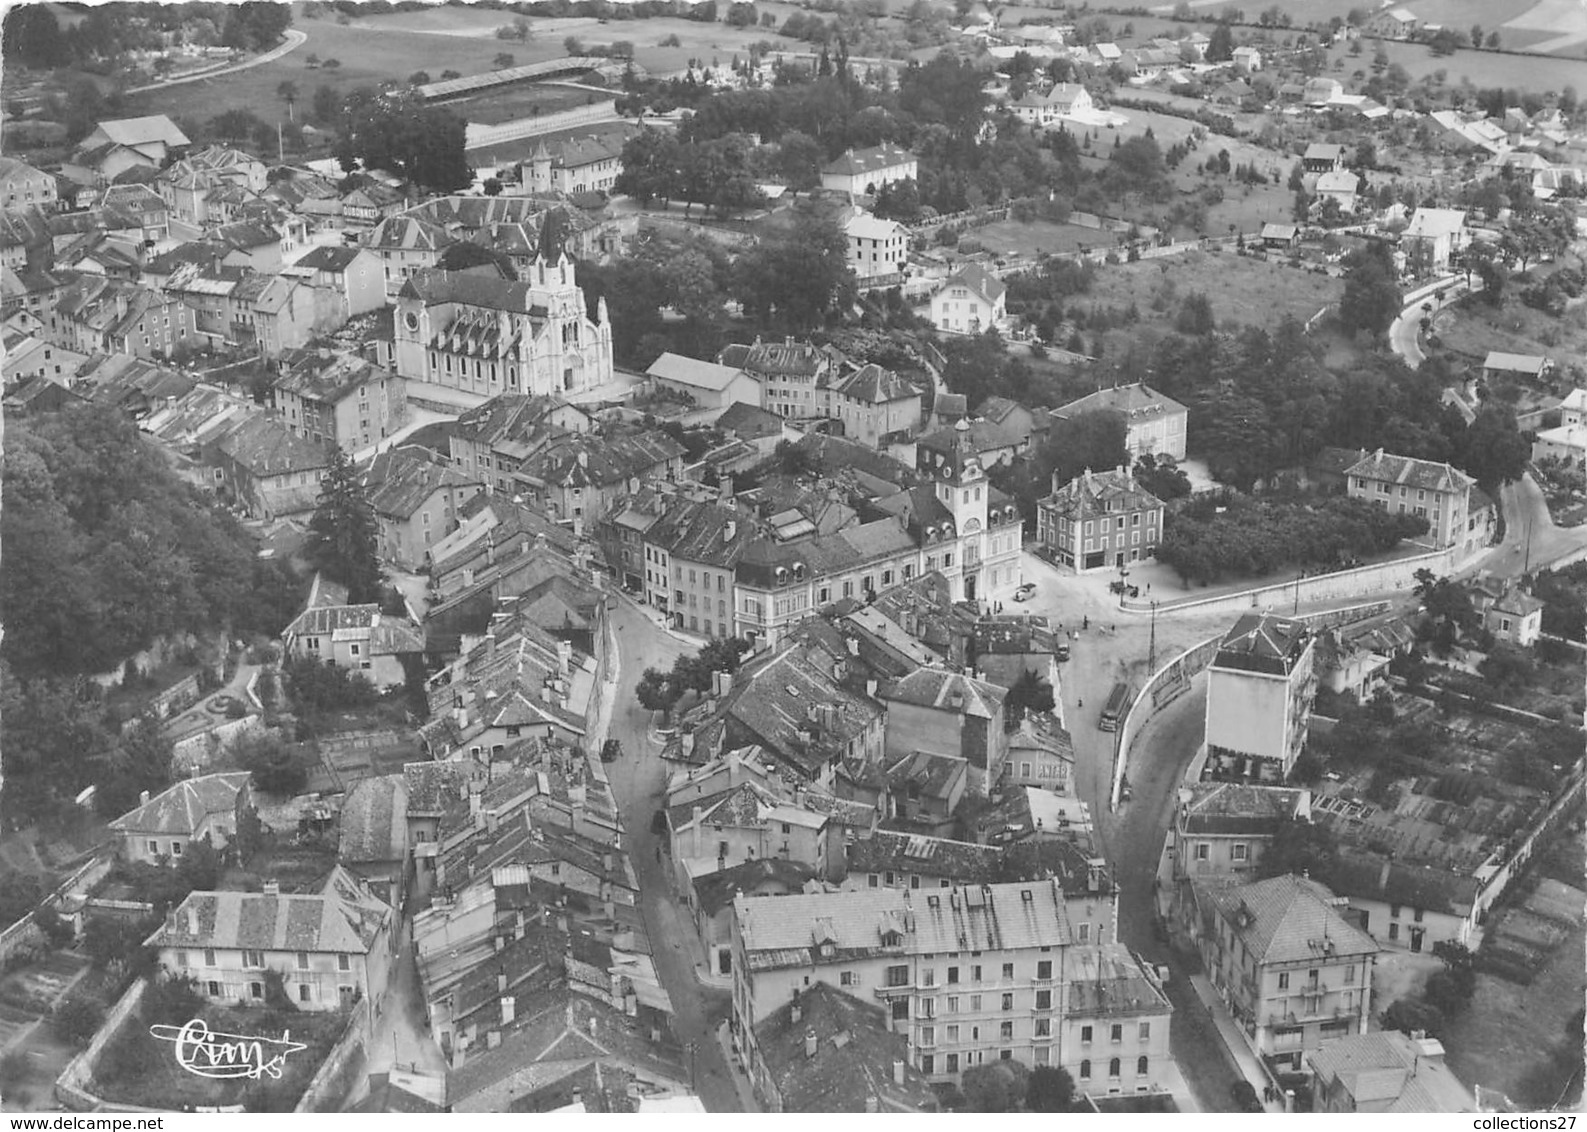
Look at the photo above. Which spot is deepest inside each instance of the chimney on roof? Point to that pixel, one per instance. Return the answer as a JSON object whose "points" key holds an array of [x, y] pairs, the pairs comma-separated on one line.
{"points": [[898, 1071], [594, 1025], [1383, 873], [509, 1007], [192, 918], [871, 1103], [501, 980], [143, 797], [812, 1043], [795, 1012], [271, 888]]}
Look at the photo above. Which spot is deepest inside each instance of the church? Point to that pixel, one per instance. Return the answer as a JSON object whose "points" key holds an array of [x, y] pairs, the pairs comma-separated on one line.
{"points": [[471, 335]]}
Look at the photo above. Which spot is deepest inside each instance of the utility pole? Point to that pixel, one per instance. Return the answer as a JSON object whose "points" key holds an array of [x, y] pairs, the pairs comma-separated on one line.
{"points": [[1151, 649]]}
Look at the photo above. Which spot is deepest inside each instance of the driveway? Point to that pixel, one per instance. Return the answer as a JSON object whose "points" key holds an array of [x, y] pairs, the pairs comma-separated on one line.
{"points": [[638, 782]]}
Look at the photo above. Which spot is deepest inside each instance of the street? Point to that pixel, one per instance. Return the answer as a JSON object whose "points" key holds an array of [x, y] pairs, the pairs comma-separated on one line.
{"points": [[638, 780], [1531, 540]]}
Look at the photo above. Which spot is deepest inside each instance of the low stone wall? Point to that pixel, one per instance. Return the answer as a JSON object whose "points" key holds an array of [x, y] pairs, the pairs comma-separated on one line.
{"points": [[72, 1087], [334, 1082], [1399, 574], [1173, 679]]}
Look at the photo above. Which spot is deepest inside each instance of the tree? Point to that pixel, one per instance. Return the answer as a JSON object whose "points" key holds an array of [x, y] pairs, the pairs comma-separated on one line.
{"points": [[275, 767], [1050, 1089], [288, 92], [1195, 315], [1493, 450], [1299, 847], [343, 534], [1220, 46], [1162, 476], [800, 279], [656, 691], [1030, 693], [78, 1019], [1372, 298], [503, 61], [318, 687], [1412, 1015], [997, 1086], [20, 893]]}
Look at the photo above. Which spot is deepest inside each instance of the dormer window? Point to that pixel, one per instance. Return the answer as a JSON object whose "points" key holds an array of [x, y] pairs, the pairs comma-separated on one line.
{"points": [[892, 939]]}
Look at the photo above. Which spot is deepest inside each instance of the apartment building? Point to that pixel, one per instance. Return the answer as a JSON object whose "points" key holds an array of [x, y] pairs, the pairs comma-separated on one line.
{"points": [[1293, 971], [1433, 491], [1099, 521], [1259, 695], [968, 973]]}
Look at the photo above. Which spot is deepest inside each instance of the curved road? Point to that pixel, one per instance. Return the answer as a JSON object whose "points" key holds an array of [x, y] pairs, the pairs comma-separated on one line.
{"points": [[293, 39], [1405, 331]]}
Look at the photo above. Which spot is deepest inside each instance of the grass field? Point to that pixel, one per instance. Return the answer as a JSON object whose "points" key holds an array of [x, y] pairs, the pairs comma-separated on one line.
{"points": [[1242, 290], [1473, 327], [366, 60], [1009, 237]]}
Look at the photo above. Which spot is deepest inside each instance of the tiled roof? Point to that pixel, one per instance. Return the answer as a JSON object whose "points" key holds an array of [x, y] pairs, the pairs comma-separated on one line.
{"points": [[329, 258], [1389, 1071], [401, 480], [775, 697], [978, 280], [266, 447], [856, 1050], [325, 379], [874, 385], [1094, 492], [436, 787], [1136, 402], [1287, 919], [857, 162], [963, 862], [749, 422], [947, 691], [183, 807], [758, 877], [1235, 808], [326, 619], [926, 774], [343, 918], [786, 931], [583, 459], [693, 372], [409, 233], [1264, 642], [373, 822], [1410, 472], [1362, 876], [558, 1026]]}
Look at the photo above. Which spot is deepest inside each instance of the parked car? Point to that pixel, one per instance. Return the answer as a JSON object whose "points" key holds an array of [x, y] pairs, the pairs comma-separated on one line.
{"points": [[1025, 592]]}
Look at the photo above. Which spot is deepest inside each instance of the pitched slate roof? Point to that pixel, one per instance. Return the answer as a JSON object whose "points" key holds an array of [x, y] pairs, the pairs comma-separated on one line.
{"points": [[1264, 642], [183, 807], [1287, 919], [749, 422], [1137, 402], [978, 280], [342, 918], [856, 1049], [141, 131], [1086, 495], [948, 691], [401, 480], [266, 447], [330, 258], [874, 385], [693, 372], [1411, 472]]}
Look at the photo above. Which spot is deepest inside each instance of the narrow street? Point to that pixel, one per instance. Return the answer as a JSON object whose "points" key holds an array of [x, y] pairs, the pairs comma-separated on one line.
{"points": [[638, 780]]}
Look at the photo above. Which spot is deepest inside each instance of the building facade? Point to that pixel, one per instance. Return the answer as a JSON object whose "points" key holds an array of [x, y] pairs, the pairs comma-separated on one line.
{"points": [[1436, 492], [1099, 521], [1259, 695]]}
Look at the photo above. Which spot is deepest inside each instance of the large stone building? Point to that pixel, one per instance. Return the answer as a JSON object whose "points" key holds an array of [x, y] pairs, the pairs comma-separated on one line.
{"points": [[481, 336], [1154, 425], [970, 974], [1099, 521], [1433, 491]]}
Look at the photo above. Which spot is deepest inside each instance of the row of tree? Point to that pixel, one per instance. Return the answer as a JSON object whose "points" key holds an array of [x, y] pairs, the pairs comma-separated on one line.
{"points": [[1218, 536]]}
